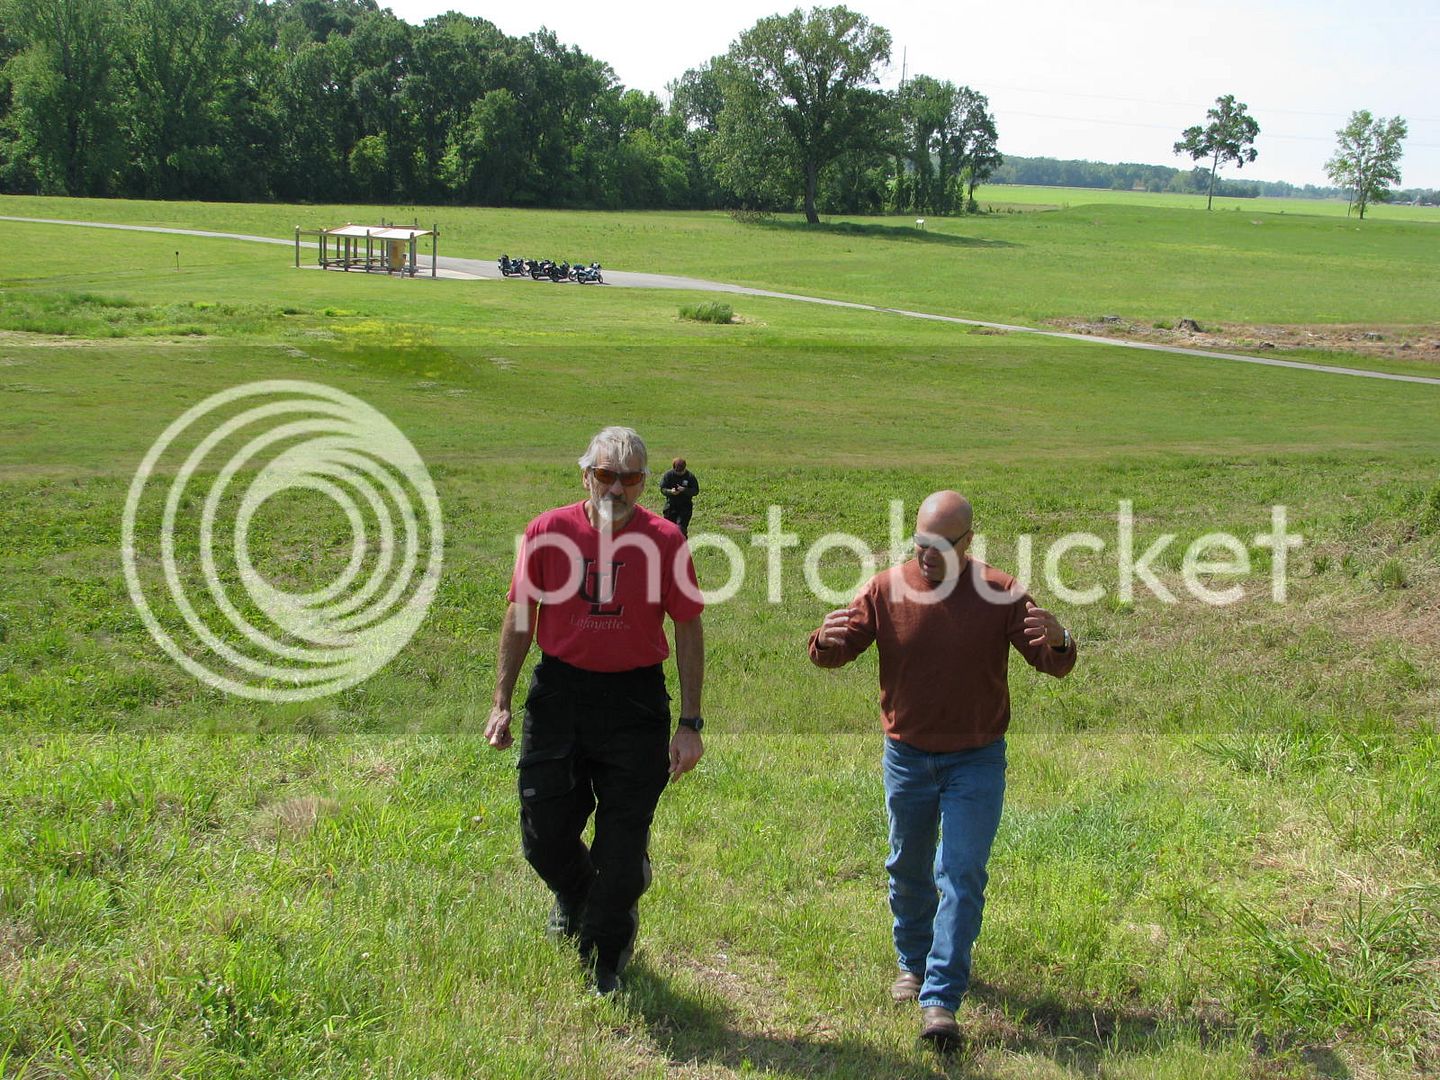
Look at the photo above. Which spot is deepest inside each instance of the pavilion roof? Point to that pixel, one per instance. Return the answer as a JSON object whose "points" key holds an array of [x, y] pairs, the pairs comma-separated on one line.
{"points": [[377, 232]]}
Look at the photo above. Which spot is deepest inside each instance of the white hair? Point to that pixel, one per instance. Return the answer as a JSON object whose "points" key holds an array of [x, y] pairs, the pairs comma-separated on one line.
{"points": [[623, 443]]}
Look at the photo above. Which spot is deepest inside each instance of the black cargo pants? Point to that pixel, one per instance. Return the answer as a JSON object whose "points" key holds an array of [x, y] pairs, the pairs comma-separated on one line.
{"points": [[594, 742], [679, 512]]}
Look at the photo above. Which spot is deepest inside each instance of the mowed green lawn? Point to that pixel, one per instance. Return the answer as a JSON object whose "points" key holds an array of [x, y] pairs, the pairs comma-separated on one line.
{"points": [[1219, 856], [1128, 259]]}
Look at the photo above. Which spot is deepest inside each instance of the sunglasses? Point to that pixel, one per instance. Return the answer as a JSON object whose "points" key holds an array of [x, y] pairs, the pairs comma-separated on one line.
{"points": [[927, 541], [609, 476]]}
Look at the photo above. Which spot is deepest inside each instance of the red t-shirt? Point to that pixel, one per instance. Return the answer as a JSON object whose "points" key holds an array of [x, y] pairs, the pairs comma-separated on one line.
{"points": [[603, 598]]}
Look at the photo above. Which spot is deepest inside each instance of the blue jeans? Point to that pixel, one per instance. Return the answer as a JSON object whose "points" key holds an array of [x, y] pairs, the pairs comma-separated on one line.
{"points": [[937, 892]]}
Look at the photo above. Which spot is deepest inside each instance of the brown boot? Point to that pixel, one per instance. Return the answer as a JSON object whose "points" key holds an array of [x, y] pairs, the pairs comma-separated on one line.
{"points": [[938, 1027], [906, 987]]}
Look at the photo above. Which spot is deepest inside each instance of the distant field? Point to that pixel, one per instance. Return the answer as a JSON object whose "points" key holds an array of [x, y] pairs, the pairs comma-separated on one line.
{"points": [[999, 195], [1141, 264], [1221, 854]]}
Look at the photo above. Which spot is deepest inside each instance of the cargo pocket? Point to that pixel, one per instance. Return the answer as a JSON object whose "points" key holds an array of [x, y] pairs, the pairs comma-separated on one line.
{"points": [[547, 744]]}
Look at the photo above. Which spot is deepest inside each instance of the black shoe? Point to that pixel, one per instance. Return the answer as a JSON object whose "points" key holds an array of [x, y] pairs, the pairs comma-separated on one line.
{"points": [[605, 981], [564, 922]]}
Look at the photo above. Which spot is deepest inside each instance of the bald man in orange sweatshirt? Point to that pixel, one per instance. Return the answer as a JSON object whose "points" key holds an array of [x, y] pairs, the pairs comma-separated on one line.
{"points": [[943, 624]]}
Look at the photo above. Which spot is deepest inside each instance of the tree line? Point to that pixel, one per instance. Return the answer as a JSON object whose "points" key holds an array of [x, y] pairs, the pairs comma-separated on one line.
{"points": [[340, 100], [1131, 176]]}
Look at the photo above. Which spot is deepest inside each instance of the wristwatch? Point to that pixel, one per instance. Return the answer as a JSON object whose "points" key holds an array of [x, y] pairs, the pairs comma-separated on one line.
{"points": [[694, 723]]}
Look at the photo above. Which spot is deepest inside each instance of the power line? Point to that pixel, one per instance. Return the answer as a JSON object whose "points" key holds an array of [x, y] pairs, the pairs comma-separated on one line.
{"points": [[1184, 104], [1171, 127]]}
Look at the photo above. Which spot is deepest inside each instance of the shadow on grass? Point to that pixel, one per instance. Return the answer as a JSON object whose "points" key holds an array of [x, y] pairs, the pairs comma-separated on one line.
{"points": [[1083, 1042], [902, 233], [705, 1030]]}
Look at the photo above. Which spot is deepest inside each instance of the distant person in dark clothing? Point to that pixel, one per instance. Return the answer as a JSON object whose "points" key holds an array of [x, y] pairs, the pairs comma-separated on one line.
{"points": [[679, 487]]}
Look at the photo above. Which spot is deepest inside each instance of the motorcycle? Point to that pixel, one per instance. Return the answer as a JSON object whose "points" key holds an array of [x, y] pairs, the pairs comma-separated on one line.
{"points": [[546, 269]]}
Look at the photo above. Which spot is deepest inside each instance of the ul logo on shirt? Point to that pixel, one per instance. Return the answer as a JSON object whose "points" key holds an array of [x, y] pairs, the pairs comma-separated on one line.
{"points": [[598, 589]]}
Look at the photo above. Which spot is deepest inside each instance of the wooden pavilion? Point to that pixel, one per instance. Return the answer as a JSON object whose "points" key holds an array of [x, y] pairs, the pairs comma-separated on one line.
{"points": [[373, 249]]}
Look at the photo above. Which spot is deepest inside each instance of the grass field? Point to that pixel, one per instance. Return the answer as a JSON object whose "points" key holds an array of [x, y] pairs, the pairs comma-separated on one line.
{"points": [[1219, 856], [1031, 195], [1140, 264]]}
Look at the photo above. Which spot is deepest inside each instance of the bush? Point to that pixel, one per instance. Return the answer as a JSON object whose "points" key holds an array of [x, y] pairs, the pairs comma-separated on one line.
{"points": [[710, 311]]}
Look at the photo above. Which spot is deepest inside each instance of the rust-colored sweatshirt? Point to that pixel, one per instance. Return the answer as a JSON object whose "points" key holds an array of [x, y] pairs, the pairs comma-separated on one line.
{"points": [[943, 665]]}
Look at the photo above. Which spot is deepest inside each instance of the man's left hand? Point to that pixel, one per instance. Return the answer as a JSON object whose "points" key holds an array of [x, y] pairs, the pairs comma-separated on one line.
{"points": [[686, 746], [1041, 627]]}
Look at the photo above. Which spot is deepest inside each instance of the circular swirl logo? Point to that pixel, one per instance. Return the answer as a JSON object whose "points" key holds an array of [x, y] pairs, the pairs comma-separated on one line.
{"points": [[222, 509]]}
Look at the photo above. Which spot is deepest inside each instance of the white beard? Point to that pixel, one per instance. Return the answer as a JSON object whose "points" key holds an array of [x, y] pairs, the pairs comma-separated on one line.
{"points": [[605, 510]]}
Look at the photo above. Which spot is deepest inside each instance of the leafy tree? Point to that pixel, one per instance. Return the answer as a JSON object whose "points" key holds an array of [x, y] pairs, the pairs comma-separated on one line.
{"points": [[976, 140], [64, 84], [949, 141], [185, 61], [750, 152], [380, 48], [1229, 136], [455, 60], [316, 137], [696, 101], [699, 95], [487, 159], [569, 147], [804, 79], [925, 107], [1367, 157]]}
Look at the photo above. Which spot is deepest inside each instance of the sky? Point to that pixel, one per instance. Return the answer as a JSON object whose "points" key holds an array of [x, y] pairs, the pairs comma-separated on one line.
{"points": [[1108, 80]]}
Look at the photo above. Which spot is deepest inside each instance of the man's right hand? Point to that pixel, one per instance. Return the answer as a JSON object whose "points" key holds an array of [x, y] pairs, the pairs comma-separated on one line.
{"points": [[497, 731], [835, 628]]}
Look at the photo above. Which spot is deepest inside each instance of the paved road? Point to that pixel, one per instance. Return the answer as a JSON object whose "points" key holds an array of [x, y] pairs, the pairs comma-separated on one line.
{"points": [[486, 268]]}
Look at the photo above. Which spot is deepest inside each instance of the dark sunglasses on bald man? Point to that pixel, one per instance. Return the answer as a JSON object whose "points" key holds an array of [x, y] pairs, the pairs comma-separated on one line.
{"points": [[609, 476], [926, 541]]}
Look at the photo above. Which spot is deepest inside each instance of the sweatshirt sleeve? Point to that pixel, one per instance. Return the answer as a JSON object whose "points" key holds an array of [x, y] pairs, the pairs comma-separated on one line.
{"points": [[858, 638], [1041, 657]]}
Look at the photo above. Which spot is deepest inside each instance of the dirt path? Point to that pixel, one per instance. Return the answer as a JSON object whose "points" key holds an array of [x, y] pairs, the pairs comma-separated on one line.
{"points": [[486, 268]]}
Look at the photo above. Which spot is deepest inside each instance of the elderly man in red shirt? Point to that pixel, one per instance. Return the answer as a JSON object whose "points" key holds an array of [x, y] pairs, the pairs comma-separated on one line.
{"points": [[600, 576], [944, 624]]}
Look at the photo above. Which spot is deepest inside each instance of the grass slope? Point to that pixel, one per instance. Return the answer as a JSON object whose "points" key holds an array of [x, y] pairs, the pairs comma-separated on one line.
{"points": [[1219, 856]]}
